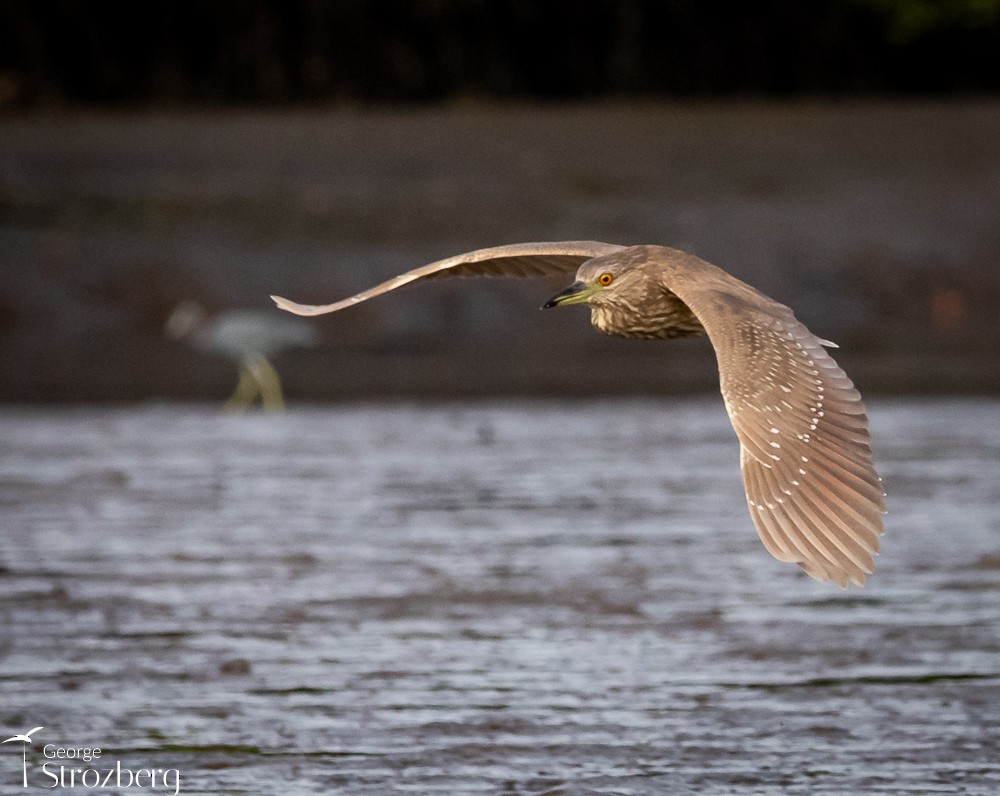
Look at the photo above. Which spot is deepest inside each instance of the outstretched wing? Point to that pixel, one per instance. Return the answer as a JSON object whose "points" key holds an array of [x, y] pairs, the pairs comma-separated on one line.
{"points": [[519, 259], [814, 495]]}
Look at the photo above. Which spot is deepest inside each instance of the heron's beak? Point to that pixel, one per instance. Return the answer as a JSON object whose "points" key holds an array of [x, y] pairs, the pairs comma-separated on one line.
{"points": [[577, 293]]}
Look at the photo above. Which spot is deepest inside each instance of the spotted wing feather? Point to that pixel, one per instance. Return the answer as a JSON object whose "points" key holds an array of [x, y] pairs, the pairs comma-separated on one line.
{"points": [[516, 260], [813, 492]]}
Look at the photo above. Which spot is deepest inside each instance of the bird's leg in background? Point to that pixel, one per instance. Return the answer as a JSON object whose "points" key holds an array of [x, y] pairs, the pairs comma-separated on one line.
{"points": [[245, 392], [269, 384]]}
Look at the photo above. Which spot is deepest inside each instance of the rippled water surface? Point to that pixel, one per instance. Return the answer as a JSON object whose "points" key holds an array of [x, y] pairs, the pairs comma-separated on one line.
{"points": [[516, 598]]}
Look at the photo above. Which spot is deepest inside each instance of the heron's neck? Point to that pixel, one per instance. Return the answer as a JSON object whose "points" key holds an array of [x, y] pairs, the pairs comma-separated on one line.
{"points": [[662, 317]]}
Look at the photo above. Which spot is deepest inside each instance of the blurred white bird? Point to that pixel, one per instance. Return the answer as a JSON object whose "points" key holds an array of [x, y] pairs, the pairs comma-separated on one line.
{"points": [[248, 337]]}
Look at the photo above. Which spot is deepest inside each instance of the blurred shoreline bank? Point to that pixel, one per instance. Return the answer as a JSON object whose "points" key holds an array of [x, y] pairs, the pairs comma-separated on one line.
{"points": [[877, 221]]}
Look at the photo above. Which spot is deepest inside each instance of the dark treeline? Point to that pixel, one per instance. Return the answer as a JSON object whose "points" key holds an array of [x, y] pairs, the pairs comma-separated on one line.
{"points": [[170, 52]]}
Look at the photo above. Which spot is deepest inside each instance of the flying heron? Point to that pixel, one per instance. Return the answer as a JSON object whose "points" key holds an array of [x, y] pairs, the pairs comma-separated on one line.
{"points": [[249, 338], [813, 493]]}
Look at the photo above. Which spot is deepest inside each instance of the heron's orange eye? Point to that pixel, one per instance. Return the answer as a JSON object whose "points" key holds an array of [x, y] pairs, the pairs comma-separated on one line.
{"points": [[605, 279]]}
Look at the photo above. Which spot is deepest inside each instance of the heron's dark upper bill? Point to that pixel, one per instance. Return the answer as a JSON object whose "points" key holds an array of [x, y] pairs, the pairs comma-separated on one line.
{"points": [[565, 296]]}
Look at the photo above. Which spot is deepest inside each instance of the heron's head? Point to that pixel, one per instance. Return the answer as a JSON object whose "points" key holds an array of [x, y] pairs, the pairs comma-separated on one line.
{"points": [[606, 280], [185, 318], [627, 297]]}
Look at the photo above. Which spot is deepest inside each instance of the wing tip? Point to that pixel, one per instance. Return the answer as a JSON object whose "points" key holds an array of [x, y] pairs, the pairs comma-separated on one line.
{"points": [[839, 574], [293, 307]]}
